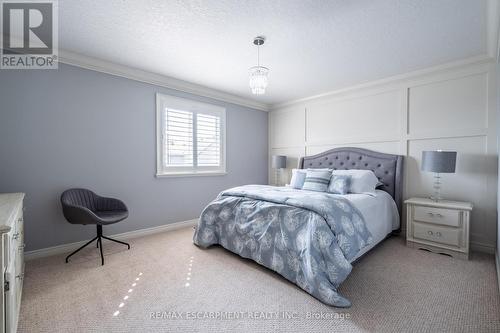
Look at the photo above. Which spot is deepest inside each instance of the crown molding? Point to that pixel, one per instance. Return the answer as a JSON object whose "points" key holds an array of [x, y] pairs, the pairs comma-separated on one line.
{"points": [[107, 67], [477, 60]]}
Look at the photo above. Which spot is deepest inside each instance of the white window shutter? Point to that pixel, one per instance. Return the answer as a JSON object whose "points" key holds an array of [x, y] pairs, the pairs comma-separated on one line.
{"points": [[208, 140], [190, 137], [178, 138]]}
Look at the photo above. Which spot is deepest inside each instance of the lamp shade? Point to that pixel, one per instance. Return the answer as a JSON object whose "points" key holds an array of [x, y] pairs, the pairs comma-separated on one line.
{"points": [[439, 161], [278, 162]]}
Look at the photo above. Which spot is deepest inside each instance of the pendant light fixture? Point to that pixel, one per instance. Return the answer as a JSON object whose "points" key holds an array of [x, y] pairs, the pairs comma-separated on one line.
{"points": [[258, 74]]}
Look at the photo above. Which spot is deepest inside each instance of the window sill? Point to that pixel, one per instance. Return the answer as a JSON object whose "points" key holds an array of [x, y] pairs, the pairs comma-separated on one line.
{"points": [[191, 174]]}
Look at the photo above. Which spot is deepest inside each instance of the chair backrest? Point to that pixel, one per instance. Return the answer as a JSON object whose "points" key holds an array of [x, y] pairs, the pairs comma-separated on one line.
{"points": [[79, 197]]}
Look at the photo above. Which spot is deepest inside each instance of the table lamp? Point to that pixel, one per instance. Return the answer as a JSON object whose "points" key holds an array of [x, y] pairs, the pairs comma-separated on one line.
{"points": [[438, 162], [278, 163]]}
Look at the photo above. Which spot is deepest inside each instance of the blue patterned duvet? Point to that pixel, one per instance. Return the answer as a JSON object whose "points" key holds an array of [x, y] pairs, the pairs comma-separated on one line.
{"points": [[307, 237]]}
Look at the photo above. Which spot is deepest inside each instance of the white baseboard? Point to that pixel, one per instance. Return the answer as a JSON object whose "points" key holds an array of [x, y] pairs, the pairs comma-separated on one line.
{"points": [[481, 247], [65, 248], [497, 262]]}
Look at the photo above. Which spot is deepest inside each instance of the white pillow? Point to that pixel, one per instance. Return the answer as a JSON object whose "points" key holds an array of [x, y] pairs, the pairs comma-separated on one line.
{"points": [[298, 178], [362, 181]]}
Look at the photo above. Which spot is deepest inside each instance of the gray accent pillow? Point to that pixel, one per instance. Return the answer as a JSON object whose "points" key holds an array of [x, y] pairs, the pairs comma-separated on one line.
{"points": [[339, 184], [317, 180]]}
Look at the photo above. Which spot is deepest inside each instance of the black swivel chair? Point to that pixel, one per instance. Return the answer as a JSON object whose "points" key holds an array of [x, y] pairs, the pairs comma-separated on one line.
{"points": [[81, 206]]}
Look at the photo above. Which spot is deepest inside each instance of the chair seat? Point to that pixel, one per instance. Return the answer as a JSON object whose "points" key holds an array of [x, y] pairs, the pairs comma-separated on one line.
{"points": [[108, 217]]}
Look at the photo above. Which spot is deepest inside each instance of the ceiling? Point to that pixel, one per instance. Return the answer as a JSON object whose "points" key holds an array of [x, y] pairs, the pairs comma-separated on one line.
{"points": [[312, 47]]}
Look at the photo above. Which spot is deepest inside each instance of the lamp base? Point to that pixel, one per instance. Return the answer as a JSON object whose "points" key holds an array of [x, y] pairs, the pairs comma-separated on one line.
{"points": [[277, 177], [437, 188], [435, 199]]}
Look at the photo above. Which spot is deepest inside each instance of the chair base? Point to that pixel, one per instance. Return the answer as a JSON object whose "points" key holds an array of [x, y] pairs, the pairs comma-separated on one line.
{"points": [[99, 238]]}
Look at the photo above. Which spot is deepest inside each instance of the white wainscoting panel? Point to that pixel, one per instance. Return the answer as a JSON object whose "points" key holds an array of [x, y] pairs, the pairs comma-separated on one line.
{"points": [[288, 127], [331, 120], [451, 109], [460, 104]]}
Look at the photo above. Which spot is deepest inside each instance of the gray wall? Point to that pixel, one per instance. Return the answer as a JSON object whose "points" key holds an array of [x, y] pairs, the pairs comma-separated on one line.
{"points": [[74, 127]]}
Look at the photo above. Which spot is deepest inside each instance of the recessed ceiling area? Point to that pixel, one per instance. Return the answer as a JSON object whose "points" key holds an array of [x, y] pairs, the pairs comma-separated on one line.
{"points": [[311, 47]]}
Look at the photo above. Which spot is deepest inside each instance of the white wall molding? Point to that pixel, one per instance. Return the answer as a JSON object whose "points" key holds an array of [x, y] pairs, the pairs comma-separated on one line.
{"points": [[452, 106], [393, 82], [67, 248], [107, 67], [353, 140]]}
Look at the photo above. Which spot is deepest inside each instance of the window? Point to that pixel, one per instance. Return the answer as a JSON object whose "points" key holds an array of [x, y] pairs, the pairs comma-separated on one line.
{"points": [[190, 137]]}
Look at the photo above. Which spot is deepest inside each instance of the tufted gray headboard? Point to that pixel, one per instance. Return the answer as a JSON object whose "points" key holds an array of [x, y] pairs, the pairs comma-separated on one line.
{"points": [[387, 167]]}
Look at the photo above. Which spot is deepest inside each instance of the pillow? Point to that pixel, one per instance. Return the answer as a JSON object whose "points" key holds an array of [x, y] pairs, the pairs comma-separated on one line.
{"points": [[317, 180], [339, 184], [362, 181], [298, 178]]}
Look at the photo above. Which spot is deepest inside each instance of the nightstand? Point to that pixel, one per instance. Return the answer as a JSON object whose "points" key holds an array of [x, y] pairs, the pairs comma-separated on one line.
{"points": [[441, 227]]}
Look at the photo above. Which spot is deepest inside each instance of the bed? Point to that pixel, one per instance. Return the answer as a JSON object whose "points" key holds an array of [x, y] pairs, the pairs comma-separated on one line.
{"points": [[310, 238]]}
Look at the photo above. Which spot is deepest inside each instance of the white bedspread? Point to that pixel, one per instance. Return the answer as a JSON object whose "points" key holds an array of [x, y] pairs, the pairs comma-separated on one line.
{"points": [[380, 213]]}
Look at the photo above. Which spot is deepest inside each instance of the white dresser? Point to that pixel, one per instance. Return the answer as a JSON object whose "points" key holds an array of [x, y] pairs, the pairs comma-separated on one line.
{"points": [[11, 229], [441, 227]]}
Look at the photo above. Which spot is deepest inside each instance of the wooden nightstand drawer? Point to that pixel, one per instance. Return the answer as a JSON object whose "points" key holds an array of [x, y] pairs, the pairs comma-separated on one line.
{"points": [[437, 215], [433, 233], [438, 226]]}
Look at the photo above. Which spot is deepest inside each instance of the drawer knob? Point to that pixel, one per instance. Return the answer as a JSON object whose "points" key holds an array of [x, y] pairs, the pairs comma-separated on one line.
{"points": [[15, 236], [430, 232], [438, 234], [430, 214]]}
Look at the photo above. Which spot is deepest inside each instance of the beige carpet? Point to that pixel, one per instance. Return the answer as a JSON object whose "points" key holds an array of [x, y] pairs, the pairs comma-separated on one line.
{"points": [[393, 289]]}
